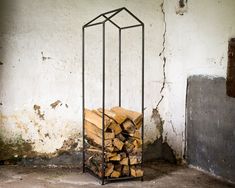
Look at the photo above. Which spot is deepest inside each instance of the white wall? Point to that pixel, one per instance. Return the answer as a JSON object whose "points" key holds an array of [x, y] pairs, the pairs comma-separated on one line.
{"points": [[29, 28], [196, 43]]}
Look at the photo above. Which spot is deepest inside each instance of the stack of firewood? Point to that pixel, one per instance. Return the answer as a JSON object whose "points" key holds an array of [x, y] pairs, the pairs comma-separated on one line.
{"points": [[122, 142]]}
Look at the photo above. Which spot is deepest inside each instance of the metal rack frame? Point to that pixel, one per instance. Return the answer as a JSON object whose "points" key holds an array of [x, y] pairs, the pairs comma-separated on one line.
{"points": [[90, 24]]}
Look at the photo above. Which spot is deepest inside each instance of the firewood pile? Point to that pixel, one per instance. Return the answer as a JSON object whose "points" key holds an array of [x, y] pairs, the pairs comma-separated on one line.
{"points": [[122, 142]]}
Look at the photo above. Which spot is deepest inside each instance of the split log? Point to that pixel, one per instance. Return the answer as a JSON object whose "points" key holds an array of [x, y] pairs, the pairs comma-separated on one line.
{"points": [[136, 134], [126, 171], [136, 117], [89, 127], [109, 135], [97, 139], [109, 148], [94, 137], [115, 158], [118, 117], [136, 151], [123, 155], [137, 143], [129, 146], [115, 127], [110, 154], [94, 150], [129, 127], [136, 171], [135, 159], [138, 125], [118, 143], [118, 168], [96, 119], [124, 161], [109, 169], [115, 174], [121, 137]]}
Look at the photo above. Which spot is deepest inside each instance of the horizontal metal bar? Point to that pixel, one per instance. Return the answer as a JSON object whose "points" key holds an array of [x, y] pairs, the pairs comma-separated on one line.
{"points": [[92, 20], [113, 15], [111, 22], [111, 179], [93, 24], [87, 169], [131, 26], [113, 10], [123, 178]]}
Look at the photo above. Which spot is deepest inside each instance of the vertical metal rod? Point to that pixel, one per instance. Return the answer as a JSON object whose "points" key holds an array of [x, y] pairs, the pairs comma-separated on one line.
{"points": [[120, 68], [142, 98], [83, 99], [103, 105]]}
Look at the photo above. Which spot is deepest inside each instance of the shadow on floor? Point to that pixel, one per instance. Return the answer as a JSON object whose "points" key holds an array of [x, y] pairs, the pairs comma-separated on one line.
{"points": [[154, 170]]}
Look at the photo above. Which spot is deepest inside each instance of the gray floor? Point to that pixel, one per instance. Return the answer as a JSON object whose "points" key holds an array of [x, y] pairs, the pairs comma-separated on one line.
{"points": [[156, 175]]}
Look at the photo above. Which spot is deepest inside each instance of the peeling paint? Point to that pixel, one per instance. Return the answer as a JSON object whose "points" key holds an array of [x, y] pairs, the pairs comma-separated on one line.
{"points": [[15, 149], [158, 122], [27, 150], [37, 134], [55, 104], [181, 3], [182, 7], [37, 109], [12, 150], [22, 126], [47, 135], [70, 144]]}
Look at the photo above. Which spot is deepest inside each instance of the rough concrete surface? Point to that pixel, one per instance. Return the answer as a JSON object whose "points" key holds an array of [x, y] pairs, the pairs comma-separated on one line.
{"points": [[157, 174], [210, 126]]}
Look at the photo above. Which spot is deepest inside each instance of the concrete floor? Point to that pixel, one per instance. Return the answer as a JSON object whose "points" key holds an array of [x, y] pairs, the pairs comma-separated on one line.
{"points": [[156, 175]]}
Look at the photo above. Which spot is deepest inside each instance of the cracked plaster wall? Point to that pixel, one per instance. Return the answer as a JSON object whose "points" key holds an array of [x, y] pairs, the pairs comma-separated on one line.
{"points": [[40, 55], [40, 70], [196, 44]]}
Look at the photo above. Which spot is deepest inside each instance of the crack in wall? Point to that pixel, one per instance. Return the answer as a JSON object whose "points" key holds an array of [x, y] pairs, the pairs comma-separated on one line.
{"points": [[155, 113], [159, 101], [162, 53], [173, 128]]}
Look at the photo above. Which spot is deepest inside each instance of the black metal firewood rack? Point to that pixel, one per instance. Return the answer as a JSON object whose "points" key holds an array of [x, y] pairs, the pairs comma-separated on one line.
{"points": [[108, 18]]}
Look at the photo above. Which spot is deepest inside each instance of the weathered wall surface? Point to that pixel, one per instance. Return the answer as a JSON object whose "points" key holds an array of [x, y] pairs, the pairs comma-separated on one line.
{"points": [[40, 72], [196, 44], [40, 54], [210, 126]]}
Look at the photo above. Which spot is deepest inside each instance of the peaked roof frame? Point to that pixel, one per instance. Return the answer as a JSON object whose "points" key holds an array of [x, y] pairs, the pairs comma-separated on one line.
{"points": [[108, 18]]}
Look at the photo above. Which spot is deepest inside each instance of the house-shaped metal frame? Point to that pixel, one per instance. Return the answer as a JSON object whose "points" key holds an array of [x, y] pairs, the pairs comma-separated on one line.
{"points": [[94, 23]]}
